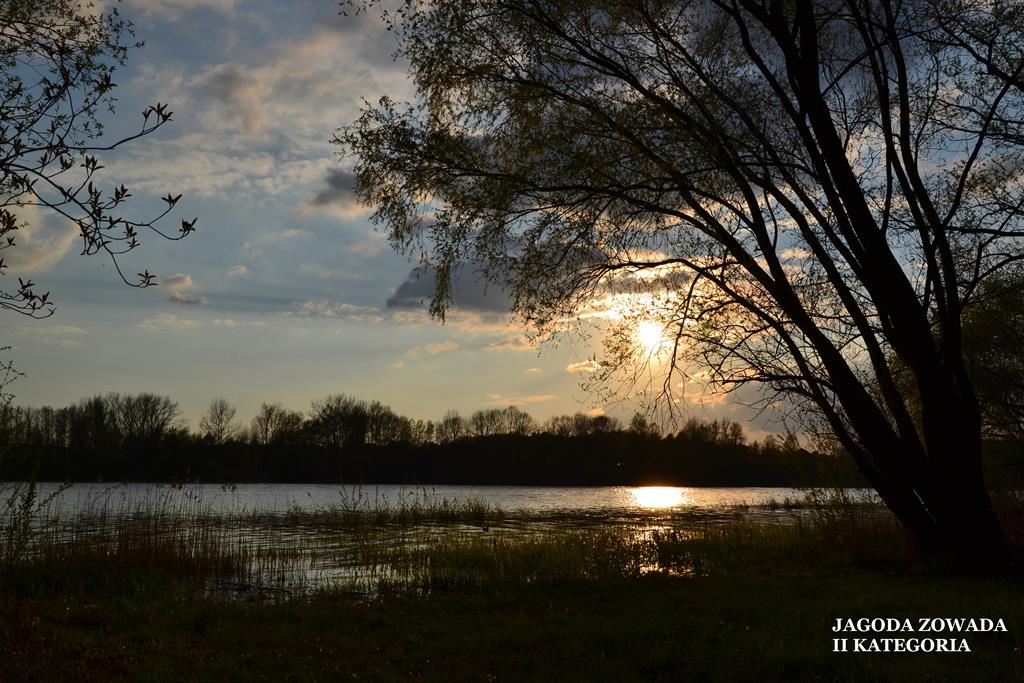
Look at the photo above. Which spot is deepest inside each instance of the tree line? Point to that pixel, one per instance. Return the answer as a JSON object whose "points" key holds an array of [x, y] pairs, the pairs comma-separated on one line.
{"points": [[142, 437]]}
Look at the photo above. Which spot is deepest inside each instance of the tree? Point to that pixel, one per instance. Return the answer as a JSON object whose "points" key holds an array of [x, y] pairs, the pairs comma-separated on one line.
{"points": [[57, 62], [218, 423], [142, 418], [275, 424], [451, 427], [994, 348], [801, 193], [639, 424], [339, 421]]}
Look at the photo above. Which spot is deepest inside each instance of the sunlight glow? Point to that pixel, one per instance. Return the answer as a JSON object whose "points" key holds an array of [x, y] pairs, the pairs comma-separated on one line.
{"points": [[658, 496], [650, 335]]}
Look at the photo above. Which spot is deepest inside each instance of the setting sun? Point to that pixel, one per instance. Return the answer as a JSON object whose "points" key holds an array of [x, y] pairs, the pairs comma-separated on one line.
{"points": [[650, 336]]}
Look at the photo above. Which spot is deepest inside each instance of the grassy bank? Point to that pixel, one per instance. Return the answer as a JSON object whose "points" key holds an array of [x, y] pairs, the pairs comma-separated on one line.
{"points": [[465, 593]]}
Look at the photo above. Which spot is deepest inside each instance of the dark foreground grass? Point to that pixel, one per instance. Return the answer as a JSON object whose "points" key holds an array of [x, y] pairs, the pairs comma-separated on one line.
{"points": [[736, 602], [751, 627]]}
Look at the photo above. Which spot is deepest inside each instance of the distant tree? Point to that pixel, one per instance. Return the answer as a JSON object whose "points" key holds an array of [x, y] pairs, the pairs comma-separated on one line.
{"points": [[518, 422], [423, 432], [384, 426], [274, 423], [451, 427], [798, 192], [339, 421], [581, 425], [639, 424], [57, 61], [143, 418], [217, 424]]}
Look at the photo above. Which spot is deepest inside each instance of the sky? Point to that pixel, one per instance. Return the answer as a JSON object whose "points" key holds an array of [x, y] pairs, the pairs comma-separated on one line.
{"points": [[286, 291]]}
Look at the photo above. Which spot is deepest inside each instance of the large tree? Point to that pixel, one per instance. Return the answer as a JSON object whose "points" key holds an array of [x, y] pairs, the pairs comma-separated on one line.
{"points": [[805, 191], [58, 59]]}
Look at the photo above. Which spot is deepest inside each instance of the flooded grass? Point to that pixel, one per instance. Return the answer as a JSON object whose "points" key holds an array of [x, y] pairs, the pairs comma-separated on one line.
{"points": [[447, 590], [419, 543]]}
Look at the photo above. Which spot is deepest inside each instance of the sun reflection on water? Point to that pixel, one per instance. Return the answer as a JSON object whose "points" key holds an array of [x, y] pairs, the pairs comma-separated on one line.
{"points": [[656, 497]]}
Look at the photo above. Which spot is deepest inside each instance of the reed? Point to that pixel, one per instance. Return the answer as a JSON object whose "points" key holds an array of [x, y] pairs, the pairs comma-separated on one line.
{"points": [[421, 544]]}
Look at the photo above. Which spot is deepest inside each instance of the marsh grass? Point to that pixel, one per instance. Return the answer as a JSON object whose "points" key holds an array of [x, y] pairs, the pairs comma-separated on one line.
{"points": [[422, 544]]}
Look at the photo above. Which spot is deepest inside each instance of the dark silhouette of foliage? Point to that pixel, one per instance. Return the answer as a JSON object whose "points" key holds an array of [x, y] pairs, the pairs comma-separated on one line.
{"points": [[807, 196], [57, 63], [217, 424], [140, 438]]}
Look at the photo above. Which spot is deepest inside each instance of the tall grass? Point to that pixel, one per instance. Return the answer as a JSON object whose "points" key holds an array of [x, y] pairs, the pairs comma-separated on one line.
{"points": [[421, 543]]}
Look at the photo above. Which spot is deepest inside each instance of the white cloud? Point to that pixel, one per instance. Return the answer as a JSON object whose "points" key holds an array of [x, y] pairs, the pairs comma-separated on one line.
{"points": [[583, 366], [431, 349], [177, 287], [259, 245], [53, 333], [323, 308], [40, 242], [516, 342]]}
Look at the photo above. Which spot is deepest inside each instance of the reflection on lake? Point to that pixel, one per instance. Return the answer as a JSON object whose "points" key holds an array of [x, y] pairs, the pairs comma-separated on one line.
{"points": [[659, 497], [270, 498], [269, 538]]}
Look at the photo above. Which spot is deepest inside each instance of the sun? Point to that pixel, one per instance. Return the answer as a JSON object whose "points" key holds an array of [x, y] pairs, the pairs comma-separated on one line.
{"points": [[658, 497], [650, 336]]}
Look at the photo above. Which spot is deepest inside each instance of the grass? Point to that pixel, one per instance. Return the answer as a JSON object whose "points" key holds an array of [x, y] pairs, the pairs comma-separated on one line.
{"points": [[435, 590]]}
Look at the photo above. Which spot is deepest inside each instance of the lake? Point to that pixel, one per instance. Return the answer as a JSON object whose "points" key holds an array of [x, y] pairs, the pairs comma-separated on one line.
{"points": [[289, 538], [280, 498]]}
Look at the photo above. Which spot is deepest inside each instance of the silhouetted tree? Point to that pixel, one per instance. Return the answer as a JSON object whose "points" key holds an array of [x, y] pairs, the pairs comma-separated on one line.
{"points": [[451, 427], [274, 424], [639, 424], [57, 61], [217, 424], [800, 192], [384, 426], [339, 421], [142, 418], [994, 348]]}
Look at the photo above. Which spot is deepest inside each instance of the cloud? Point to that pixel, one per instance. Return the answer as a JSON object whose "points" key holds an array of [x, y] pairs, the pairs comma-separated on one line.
{"points": [[583, 366], [177, 287], [240, 96], [238, 271], [173, 10], [50, 330], [166, 321], [431, 349], [259, 245], [516, 342], [515, 400], [335, 310], [52, 333], [338, 195], [40, 242], [368, 248], [470, 291], [703, 398], [330, 275]]}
